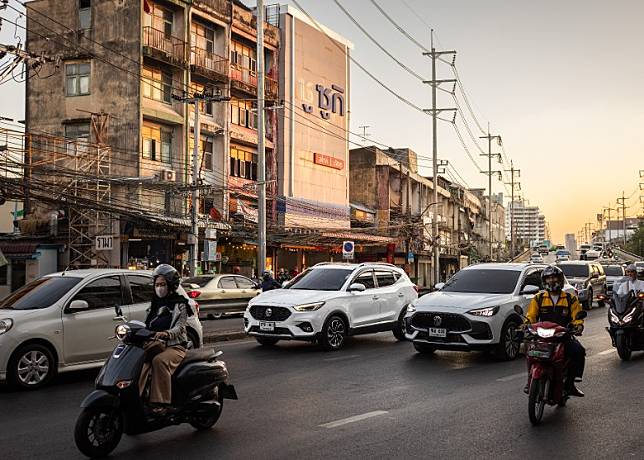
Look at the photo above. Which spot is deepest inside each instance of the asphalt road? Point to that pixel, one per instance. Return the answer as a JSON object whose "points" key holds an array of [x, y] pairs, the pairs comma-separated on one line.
{"points": [[375, 399]]}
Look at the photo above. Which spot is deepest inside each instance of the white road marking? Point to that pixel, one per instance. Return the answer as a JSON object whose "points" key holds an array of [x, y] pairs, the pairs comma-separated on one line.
{"points": [[513, 377], [606, 352], [340, 358], [355, 418]]}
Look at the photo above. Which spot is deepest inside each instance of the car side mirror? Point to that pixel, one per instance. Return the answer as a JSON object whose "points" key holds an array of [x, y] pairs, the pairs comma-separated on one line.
{"points": [[518, 310], [439, 286], [357, 287], [78, 305], [581, 315], [530, 289]]}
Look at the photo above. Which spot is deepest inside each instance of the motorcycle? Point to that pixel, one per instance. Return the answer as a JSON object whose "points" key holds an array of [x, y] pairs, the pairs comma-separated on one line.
{"points": [[199, 386], [626, 323], [547, 365]]}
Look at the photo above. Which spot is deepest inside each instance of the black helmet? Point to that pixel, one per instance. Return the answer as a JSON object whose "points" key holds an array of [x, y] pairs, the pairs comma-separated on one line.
{"points": [[553, 270], [170, 274]]}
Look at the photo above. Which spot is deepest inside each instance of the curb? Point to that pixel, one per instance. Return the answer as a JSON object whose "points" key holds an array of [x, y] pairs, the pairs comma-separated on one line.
{"points": [[224, 336]]}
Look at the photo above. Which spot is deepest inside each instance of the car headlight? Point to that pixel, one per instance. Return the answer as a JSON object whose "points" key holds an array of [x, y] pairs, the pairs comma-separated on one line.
{"points": [[411, 308], [308, 306], [5, 325], [121, 331], [489, 311]]}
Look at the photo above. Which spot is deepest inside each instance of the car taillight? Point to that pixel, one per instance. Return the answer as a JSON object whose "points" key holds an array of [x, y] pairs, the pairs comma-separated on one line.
{"points": [[194, 294]]}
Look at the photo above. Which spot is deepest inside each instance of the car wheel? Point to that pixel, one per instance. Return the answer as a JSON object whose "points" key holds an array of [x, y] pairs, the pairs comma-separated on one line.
{"points": [[399, 328], [215, 315], [334, 333], [508, 348], [424, 348], [194, 338], [31, 367], [267, 341]]}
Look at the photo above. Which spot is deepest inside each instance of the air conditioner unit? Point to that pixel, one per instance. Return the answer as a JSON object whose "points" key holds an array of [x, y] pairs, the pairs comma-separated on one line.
{"points": [[169, 175]]}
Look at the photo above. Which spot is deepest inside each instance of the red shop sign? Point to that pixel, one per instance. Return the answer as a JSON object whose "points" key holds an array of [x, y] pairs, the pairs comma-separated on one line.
{"points": [[328, 161]]}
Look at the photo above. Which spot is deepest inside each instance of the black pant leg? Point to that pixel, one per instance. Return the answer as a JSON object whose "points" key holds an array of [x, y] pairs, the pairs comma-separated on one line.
{"points": [[577, 354]]}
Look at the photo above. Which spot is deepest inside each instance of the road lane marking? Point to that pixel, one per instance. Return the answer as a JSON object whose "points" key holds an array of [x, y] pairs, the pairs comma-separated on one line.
{"points": [[512, 377], [340, 358], [606, 352], [355, 418]]}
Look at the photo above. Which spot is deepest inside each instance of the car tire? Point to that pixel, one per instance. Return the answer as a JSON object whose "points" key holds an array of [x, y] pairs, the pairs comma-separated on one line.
{"points": [[510, 343], [31, 367], [194, 338], [399, 329], [215, 315], [267, 341], [334, 333], [424, 348]]}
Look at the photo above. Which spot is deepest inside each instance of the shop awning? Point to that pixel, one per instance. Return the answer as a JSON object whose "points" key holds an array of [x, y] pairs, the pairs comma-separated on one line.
{"points": [[13, 249], [359, 237]]}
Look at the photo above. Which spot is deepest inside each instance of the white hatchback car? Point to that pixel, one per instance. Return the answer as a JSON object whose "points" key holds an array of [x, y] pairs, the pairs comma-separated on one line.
{"points": [[331, 301], [474, 310], [63, 322]]}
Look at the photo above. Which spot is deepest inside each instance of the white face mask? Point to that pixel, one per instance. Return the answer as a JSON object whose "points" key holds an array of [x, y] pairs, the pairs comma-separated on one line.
{"points": [[161, 291]]}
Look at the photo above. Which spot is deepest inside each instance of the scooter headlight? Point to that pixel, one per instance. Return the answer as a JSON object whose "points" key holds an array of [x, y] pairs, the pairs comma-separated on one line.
{"points": [[545, 332], [121, 331], [614, 318], [629, 316]]}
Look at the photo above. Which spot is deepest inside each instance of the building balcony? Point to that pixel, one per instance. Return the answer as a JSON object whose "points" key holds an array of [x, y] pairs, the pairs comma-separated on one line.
{"points": [[209, 65], [244, 79], [158, 45], [222, 7]]}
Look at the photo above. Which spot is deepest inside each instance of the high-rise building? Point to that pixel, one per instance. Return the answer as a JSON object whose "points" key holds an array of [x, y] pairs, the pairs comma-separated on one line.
{"points": [[528, 222]]}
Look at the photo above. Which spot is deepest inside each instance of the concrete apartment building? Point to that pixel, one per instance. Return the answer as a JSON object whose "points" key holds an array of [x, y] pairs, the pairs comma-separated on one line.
{"points": [[529, 223]]}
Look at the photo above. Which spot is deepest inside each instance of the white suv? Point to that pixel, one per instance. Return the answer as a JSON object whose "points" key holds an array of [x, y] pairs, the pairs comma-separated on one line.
{"points": [[474, 310], [331, 301]]}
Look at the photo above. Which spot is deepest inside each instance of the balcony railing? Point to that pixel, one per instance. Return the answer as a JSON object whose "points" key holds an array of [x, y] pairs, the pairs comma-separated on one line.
{"points": [[249, 79], [210, 62], [172, 47]]}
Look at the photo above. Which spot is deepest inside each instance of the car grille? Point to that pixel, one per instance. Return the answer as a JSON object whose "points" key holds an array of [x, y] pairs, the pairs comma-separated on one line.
{"points": [[277, 331], [276, 313], [450, 321]]}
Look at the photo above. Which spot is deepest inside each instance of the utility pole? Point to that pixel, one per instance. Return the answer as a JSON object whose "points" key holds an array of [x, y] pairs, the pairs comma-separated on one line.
{"points": [[261, 148], [622, 201], [609, 209], [490, 173], [512, 185], [194, 220], [433, 54]]}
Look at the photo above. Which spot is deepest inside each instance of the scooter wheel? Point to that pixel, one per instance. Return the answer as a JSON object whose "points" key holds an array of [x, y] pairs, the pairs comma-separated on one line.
{"points": [[98, 431], [205, 422]]}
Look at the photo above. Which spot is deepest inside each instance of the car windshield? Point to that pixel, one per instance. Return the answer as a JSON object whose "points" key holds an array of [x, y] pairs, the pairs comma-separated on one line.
{"points": [[575, 271], [613, 271], [483, 281], [40, 293], [321, 279], [200, 281], [562, 253]]}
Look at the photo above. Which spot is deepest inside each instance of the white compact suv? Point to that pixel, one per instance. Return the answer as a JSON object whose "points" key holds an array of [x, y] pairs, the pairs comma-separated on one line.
{"points": [[474, 310], [331, 301]]}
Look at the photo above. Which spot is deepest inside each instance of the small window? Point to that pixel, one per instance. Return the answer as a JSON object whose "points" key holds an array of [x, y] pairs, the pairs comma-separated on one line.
{"points": [[366, 278], [385, 278], [85, 14], [142, 288], [102, 293], [227, 282], [77, 78], [244, 283], [77, 131]]}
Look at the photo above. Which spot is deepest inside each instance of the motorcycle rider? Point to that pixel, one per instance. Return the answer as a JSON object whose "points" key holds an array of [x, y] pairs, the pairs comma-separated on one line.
{"points": [[632, 283], [268, 282], [167, 317], [558, 306]]}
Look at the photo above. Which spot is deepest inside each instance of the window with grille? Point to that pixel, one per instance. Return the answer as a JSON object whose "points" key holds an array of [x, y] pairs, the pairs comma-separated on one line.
{"points": [[206, 150], [242, 113], [85, 14]]}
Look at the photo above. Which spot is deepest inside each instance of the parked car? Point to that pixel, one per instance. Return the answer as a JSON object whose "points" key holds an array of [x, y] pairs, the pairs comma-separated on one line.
{"points": [[588, 278], [615, 276], [331, 301], [562, 255], [536, 258], [62, 322], [474, 310], [219, 295]]}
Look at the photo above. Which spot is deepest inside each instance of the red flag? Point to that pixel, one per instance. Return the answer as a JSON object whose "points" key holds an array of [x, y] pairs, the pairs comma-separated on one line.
{"points": [[146, 7]]}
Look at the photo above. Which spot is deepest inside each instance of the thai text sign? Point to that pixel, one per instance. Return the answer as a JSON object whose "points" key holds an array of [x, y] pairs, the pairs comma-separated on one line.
{"points": [[328, 161]]}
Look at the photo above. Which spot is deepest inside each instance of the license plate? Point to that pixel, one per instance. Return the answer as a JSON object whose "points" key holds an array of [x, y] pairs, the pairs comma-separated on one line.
{"points": [[437, 332], [266, 326]]}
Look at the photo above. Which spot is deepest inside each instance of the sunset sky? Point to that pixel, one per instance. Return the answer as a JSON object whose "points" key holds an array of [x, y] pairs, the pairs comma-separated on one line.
{"points": [[560, 81]]}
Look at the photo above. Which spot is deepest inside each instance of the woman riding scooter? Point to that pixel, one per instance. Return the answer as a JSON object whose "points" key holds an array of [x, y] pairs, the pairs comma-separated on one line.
{"points": [[167, 317]]}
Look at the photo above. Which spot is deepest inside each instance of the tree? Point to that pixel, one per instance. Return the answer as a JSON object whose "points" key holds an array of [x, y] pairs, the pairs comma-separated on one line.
{"points": [[635, 243]]}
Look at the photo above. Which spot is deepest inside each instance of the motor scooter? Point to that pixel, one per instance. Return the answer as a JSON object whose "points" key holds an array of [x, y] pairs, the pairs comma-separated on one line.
{"points": [[626, 323], [199, 387]]}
